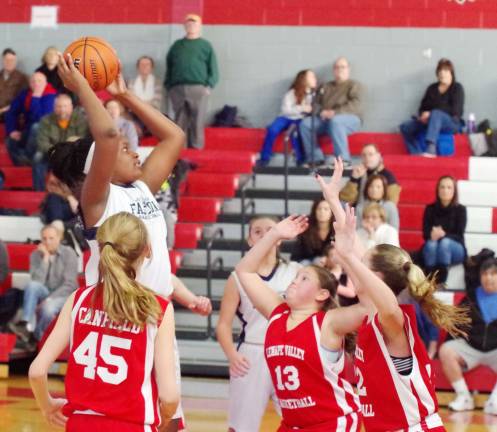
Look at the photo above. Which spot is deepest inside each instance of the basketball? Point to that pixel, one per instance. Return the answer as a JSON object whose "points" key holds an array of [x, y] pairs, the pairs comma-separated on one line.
{"points": [[96, 59]]}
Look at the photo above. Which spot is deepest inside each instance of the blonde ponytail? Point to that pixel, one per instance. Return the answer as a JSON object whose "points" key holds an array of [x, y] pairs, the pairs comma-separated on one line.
{"points": [[399, 272], [123, 240], [453, 319]]}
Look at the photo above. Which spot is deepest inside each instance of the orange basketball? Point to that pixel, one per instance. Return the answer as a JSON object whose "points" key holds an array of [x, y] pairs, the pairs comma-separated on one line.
{"points": [[96, 60]]}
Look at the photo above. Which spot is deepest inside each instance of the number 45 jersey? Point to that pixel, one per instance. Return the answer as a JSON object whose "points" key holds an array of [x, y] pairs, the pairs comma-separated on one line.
{"points": [[110, 368], [312, 391]]}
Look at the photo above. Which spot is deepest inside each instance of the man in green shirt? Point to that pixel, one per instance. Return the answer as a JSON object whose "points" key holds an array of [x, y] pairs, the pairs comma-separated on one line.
{"points": [[191, 73]]}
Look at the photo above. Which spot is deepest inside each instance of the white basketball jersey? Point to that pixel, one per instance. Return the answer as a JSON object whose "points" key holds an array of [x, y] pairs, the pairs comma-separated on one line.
{"points": [[253, 323], [137, 199]]}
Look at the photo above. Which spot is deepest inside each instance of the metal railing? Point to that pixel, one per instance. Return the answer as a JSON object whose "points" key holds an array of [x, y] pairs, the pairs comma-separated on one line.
{"points": [[211, 265], [244, 206], [286, 140]]}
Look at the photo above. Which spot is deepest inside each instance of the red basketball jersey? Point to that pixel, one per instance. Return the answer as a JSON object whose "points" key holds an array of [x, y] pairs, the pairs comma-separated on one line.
{"points": [[110, 368], [313, 393], [390, 401]]}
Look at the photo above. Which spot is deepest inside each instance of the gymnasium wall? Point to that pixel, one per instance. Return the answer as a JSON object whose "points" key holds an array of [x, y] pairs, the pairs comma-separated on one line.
{"points": [[393, 45]]}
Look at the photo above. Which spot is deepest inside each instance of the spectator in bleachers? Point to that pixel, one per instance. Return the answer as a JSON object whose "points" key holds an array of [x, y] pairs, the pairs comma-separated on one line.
{"points": [[310, 245], [295, 106], [441, 111], [331, 262], [126, 127], [4, 262], [59, 203], [146, 85], [375, 230], [340, 110], [48, 67], [375, 191], [54, 270], [191, 73], [30, 106], [12, 81], [480, 347], [59, 126], [444, 223], [371, 163]]}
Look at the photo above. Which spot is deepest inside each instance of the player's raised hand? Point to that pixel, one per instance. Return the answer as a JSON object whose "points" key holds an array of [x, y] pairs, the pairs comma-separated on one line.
{"points": [[69, 74], [118, 86], [331, 190], [345, 232], [53, 413], [291, 227]]}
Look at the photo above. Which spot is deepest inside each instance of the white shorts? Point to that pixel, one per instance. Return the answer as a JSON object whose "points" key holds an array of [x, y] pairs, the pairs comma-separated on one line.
{"points": [[471, 356], [249, 395]]}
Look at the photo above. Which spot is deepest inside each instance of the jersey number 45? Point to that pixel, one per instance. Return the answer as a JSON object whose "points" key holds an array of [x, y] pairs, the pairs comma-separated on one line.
{"points": [[86, 355]]}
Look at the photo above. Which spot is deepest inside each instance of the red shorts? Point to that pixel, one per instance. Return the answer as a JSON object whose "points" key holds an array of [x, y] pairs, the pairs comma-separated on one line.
{"points": [[353, 423], [84, 423]]}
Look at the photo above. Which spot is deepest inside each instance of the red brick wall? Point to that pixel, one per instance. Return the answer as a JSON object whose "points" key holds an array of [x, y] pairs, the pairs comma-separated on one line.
{"points": [[374, 13]]}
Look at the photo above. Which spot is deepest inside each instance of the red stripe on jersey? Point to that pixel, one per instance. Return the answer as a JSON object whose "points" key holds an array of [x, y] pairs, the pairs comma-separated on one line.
{"points": [[312, 393], [391, 401], [110, 368]]}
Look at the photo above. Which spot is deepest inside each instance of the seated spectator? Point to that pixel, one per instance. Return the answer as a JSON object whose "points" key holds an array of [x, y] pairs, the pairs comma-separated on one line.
{"points": [[440, 111], [375, 230], [54, 270], [295, 106], [125, 126], [146, 85], [11, 299], [339, 115], [48, 67], [311, 243], [59, 203], [12, 81], [480, 348], [65, 122], [372, 163], [29, 106], [444, 223], [375, 191]]}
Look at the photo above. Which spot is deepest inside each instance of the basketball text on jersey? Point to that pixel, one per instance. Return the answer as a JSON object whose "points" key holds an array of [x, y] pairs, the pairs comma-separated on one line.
{"points": [[99, 318], [145, 208], [285, 350], [304, 402]]}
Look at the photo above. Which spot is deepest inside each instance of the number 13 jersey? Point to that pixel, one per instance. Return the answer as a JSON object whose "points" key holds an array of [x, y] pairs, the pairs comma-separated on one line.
{"points": [[312, 392], [110, 368]]}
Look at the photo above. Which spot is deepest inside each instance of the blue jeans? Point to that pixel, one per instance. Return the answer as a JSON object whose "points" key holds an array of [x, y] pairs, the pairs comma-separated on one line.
{"points": [[35, 293], [273, 130], [39, 171], [22, 151], [443, 252], [337, 128], [439, 122]]}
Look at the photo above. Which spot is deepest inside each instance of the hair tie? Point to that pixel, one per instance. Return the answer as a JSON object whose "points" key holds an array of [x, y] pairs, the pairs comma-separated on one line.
{"points": [[108, 244]]}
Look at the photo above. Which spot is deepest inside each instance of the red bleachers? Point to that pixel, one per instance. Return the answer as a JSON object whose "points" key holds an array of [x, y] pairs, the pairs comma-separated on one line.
{"points": [[6, 284], [18, 177], [209, 185], [7, 344], [411, 240], [19, 255], [29, 201], [4, 157], [186, 235], [193, 209], [216, 161], [422, 168], [175, 260]]}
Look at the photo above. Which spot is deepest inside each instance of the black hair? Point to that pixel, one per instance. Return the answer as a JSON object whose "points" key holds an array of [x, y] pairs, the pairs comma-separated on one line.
{"points": [[8, 51], [67, 161], [489, 264], [145, 57]]}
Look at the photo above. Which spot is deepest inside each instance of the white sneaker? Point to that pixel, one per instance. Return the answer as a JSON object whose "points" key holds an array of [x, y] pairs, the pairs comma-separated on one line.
{"points": [[462, 403], [490, 406]]}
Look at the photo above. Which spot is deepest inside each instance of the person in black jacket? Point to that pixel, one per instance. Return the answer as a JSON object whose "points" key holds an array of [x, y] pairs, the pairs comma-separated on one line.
{"points": [[480, 348], [441, 110], [310, 246], [444, 223]]}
